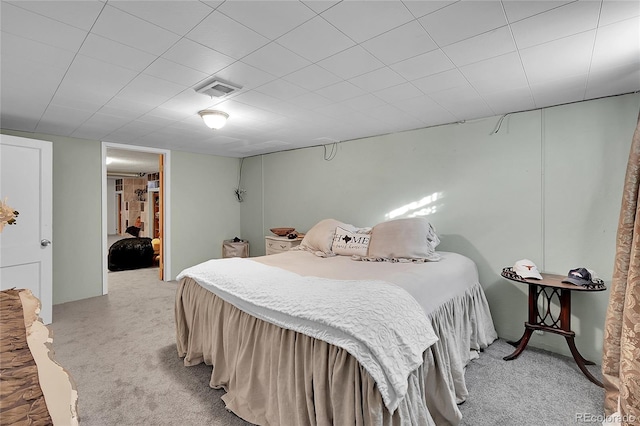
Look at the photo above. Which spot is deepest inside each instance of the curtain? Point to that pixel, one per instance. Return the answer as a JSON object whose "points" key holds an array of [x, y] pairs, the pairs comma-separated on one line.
{"points": [[621, 352]]}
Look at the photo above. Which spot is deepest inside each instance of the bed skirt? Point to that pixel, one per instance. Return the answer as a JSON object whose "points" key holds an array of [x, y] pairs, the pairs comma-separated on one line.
{"points": [[275, 376]]}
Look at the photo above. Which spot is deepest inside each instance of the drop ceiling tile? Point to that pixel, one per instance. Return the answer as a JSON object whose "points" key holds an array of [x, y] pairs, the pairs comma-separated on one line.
{"points": [[115, 53], [32, 26], [281, 89], [310, 101], [69, 118], [176, 73], [275, 60], [105, 121], [393, 114], [237, 110], [617, 45], [159, 122], [364, 102], [398, 93], [312, 77], [170, 114], [559, 58], [512, 100], [351, 62], [125, 105], [400, 43], [425, 109], [518, 10], [340, 91], [564, 21], [176, 16], [149, 89], [88, 74], [421, 8], [555, 92], [378, 79], [271, 19], [131, 131], [423, 65], [79, 14], [463, 102], [616, 10], [315, 40], [320, 6], [195, 55], [462, 20], [189, 100], [496, 74], [441, 81], [245, 75], [90, 133], [131, 115], [604, 82], [79, 98], [362, 20], [119, 26], [15, 121], [13, 47], [487, 45], [338, 111], [258, 99], [227, 36]]}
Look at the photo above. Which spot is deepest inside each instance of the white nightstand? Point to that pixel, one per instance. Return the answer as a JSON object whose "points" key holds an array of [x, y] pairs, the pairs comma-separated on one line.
{"points": [[275, 244]]}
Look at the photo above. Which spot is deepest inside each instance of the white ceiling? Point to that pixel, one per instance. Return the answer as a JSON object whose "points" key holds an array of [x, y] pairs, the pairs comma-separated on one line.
{"points": [[124, 162], [312, 72]]}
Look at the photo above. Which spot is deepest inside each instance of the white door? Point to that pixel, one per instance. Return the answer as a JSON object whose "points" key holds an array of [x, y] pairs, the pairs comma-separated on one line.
{"points": [[25, 247]]}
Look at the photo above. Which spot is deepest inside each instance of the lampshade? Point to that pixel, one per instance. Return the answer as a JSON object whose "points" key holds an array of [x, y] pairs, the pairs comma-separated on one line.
{"points": [[214, 119]]}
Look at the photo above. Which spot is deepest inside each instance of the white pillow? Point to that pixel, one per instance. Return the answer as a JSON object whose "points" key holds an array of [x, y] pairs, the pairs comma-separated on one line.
{"points": [[412, 238], [348, 243], [319, 239]]}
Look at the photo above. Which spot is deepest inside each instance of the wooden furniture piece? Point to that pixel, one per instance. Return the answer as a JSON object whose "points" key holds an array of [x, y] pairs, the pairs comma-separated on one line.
{"points": [[274, 244], [545, 290]]}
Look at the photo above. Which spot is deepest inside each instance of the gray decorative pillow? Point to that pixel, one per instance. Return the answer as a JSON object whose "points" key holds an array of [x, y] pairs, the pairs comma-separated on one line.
{"points": [[411, 238]]}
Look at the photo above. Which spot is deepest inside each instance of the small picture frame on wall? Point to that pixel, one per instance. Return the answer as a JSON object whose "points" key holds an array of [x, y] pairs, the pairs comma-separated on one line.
{"points": [[142, 206]]}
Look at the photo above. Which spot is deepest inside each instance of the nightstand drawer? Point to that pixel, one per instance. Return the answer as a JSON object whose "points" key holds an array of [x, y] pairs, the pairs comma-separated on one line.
{"points": [[275, 245]]}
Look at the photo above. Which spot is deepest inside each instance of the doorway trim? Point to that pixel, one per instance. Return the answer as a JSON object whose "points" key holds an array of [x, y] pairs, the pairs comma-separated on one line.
{"points": [[166, 229]]}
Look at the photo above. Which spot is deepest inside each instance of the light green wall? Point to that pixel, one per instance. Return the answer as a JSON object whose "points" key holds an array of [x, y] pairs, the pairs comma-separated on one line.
{"points": [[203, 212], [546, 187]]}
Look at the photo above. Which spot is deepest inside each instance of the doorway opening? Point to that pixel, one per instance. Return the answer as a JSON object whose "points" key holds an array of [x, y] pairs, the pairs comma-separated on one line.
{"points": [[135, 193]]}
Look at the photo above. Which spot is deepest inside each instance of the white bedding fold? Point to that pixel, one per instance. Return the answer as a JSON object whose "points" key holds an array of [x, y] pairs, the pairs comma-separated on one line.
{"points": [[379, 323]]}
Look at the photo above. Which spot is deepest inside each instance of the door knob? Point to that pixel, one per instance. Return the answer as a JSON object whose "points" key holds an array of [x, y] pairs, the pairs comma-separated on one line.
{"points": [[45, 243]]}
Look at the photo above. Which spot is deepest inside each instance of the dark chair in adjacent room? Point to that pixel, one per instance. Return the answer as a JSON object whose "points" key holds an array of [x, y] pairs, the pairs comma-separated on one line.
{"points": [[131, 253]]}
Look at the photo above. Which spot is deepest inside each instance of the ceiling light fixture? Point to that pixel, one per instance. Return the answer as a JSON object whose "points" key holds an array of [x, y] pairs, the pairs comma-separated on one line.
{"points": [[214, 119]]}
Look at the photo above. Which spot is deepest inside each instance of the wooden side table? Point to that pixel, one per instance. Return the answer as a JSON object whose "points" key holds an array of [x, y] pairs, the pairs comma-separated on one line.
{"points": [[550, 287], [275, 245]]}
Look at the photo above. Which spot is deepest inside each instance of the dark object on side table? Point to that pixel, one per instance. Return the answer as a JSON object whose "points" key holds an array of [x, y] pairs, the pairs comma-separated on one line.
{"points": [[131, 253], [133, 230]]}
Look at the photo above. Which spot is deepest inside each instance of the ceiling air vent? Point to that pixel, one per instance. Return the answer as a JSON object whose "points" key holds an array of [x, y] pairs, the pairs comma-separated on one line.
{"points": [[218, 88]]}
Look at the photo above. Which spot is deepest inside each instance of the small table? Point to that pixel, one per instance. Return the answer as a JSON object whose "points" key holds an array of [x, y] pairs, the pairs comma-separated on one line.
{"points": [[549, 287], [275, 245]]}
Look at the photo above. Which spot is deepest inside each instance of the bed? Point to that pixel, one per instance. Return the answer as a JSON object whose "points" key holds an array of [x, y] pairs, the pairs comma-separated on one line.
{"points": [[278, 373]]}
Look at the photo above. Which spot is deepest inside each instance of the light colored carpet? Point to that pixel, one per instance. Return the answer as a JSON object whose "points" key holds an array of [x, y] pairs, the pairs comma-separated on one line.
{"points": [[120, 350]]}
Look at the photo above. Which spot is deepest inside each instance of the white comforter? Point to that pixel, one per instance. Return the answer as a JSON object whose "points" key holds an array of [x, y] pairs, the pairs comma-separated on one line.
{"points": [[379, 323]]}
